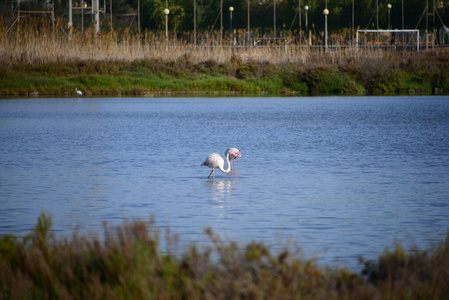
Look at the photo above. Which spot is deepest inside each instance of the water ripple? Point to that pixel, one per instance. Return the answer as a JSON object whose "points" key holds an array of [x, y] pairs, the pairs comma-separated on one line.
{"points": [[341, 176]]}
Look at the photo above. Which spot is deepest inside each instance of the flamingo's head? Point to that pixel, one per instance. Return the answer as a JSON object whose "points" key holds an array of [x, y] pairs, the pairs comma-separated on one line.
{"points": [[234, 152]]}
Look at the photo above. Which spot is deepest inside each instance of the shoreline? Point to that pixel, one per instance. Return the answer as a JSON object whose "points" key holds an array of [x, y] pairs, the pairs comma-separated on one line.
{"points": [[134, 70]]}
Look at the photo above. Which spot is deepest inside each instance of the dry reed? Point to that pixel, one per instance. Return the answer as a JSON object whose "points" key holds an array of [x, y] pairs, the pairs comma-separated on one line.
{"points": [[40, 44], [128, 264]]}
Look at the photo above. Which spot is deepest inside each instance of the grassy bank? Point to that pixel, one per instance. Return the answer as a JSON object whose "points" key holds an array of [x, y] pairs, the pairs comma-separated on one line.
{"points": [[37, 62], [156, 76], [128, 264], [370, 75]]}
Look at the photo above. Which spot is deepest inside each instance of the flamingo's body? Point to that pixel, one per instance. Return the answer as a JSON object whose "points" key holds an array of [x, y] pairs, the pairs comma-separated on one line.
{"points": [[78, 92], [214, 160], [234, 153]]}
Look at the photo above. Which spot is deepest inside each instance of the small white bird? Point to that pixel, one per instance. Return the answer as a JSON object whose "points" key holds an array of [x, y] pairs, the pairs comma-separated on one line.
{"points": [[78, 92], [214, 160], [233, 156]]}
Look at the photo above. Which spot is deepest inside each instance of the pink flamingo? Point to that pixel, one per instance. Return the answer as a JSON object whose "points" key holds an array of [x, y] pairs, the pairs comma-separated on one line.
{"points": [[233, 156], [214, 160]]}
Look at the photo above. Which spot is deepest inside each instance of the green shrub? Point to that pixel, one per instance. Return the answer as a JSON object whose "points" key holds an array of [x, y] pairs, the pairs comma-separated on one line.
{"points": [[128, 264], [419, 274], [329, 81]]}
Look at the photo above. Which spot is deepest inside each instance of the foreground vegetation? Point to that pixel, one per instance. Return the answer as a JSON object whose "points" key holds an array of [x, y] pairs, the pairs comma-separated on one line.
{"points": [[128, 264]]}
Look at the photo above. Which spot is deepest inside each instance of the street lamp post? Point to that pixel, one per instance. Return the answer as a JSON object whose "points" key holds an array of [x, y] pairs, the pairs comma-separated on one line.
{"points": [[389, 8], [306, 8], [82, 17], [70, 17], [221, 22], [377, 14], [166, 12], [231, 9], [403, 14], [96, 13], [194, 22], [299, 21], [249, 9], [138, 16], [110, 14], [352, 18], [325, 13], [274, 17]]}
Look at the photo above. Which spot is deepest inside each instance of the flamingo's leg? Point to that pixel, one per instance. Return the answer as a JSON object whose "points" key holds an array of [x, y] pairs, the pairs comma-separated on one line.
{"points": [[210, 173]]}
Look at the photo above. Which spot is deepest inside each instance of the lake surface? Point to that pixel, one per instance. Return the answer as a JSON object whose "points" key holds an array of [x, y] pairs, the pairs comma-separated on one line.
{"points": [[339, 176]]}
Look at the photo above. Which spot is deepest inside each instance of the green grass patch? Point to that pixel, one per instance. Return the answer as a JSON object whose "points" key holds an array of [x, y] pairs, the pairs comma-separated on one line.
{"points": [[415, 84], [330, 81], [219, 84], [270, 84], [368, 76], [39, 85], [445, 81]]}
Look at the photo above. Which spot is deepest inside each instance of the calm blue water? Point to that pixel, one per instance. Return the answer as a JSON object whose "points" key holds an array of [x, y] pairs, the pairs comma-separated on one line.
{"points": [[339, 176]]}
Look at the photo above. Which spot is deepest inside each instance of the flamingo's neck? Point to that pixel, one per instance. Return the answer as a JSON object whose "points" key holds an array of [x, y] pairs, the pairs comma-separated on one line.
{"points": [[228, 170]]}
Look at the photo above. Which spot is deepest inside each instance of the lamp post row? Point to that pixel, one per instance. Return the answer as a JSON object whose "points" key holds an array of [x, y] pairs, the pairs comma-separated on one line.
{"points": [[306, 8], [231, 9]]}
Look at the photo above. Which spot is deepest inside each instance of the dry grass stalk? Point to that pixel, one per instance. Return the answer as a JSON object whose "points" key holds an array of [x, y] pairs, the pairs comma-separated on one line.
{"points": [[128, 264], [35, 43]]}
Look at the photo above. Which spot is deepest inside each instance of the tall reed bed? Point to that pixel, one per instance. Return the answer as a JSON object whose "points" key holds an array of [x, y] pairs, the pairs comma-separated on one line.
{"points": [[129, 264], [38, 42]]}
